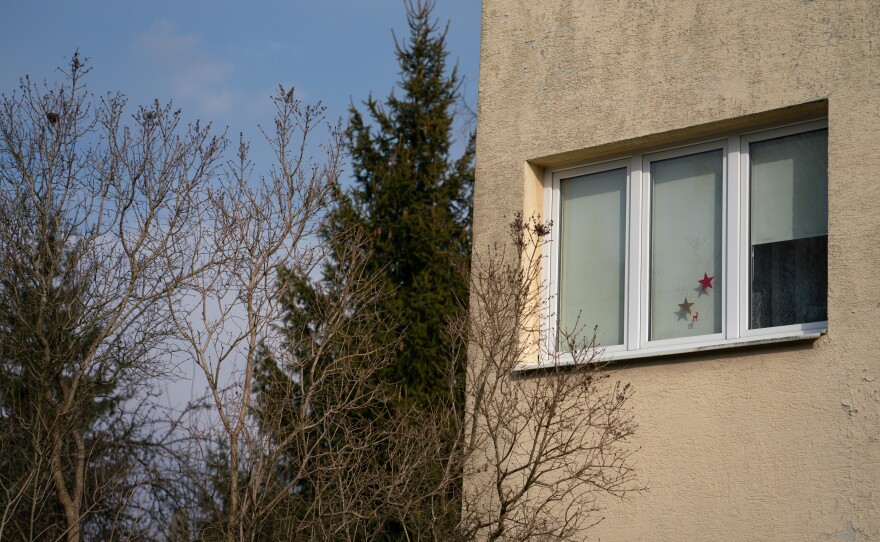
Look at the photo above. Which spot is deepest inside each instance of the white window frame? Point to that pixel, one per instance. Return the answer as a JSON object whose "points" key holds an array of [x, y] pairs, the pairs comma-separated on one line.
{"points": [[744, 257], [735, 296]]}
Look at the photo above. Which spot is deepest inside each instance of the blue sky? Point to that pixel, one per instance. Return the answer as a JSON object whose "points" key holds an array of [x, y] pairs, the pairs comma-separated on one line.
{"points": [[220, 60]]}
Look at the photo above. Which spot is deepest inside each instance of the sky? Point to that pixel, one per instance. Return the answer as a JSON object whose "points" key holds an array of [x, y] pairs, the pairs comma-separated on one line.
{"points": [[221, 60]]}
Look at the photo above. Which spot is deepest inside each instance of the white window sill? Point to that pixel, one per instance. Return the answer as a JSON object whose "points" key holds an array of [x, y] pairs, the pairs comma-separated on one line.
{"points": [[653, 352]]}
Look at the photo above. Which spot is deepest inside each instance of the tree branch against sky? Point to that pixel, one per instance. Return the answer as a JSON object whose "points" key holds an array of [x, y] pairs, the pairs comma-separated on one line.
{"points": [[224, 63], [97, 216]]}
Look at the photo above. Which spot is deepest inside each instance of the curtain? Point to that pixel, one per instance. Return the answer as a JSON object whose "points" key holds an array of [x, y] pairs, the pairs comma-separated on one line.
{"points": [[686, 245], [592, 257], [789, 229]]}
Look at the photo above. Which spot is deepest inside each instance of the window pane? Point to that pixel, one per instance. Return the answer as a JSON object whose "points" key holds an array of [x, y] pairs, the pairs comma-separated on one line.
{"points": [[686, 245], [789, 229], [591, 274]]}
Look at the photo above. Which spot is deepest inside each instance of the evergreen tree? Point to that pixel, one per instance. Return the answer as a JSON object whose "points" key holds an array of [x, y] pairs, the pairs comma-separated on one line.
{"points": [[411, 197], [405, 227]]}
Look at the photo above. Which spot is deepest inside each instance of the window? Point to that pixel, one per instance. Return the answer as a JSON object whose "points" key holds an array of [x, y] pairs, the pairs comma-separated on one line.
{"points": [[708, 245]]}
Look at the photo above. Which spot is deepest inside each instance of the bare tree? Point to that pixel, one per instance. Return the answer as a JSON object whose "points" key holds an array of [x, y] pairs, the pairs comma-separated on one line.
{"points": [[302, 438], [259, 233], [129, 245], [126, 245], [538, 450], [95, 214], [520, 457]]}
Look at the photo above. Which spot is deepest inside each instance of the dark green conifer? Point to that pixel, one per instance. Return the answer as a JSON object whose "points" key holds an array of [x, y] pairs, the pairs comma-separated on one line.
{"points": [[411, 197], [408, 211]]}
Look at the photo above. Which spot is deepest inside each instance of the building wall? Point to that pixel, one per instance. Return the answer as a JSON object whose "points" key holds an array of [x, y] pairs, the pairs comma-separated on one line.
{"points": [[780, 442]]}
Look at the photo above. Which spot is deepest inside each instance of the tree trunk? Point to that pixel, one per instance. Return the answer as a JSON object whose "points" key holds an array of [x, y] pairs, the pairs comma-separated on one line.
{"points": [[71, 506]]}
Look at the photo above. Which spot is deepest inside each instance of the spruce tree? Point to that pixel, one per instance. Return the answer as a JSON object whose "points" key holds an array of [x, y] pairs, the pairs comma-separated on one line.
{"points": [[411, 197], [408, 210]]}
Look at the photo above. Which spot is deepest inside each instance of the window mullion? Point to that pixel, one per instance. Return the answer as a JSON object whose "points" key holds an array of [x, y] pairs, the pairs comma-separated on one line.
{"points": [[635, 212], [733, 284], [744, 246], [644, 252]]}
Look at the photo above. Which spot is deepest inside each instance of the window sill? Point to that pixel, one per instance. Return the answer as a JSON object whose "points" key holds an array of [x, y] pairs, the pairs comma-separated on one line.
{"points": [[788, 336]]}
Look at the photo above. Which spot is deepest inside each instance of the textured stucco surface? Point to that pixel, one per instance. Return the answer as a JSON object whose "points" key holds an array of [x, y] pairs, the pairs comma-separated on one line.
{"points": [[773, 443]]}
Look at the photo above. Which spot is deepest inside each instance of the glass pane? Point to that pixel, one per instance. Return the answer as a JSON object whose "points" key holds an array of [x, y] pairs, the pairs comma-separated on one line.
{"points": [[591, 273], [686, 245], [789, 230]]}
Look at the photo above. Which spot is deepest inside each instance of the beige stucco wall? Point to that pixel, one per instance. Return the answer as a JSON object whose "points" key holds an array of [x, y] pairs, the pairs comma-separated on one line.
{"points": [[772, 443]]}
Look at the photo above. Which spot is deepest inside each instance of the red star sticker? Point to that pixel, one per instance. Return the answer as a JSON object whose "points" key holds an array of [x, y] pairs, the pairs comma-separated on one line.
{"points": [[705, 282]]}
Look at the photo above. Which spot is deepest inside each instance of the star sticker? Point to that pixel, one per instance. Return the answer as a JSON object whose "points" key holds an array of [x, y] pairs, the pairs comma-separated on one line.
{"points": [[705, 282], [685, 308]]}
